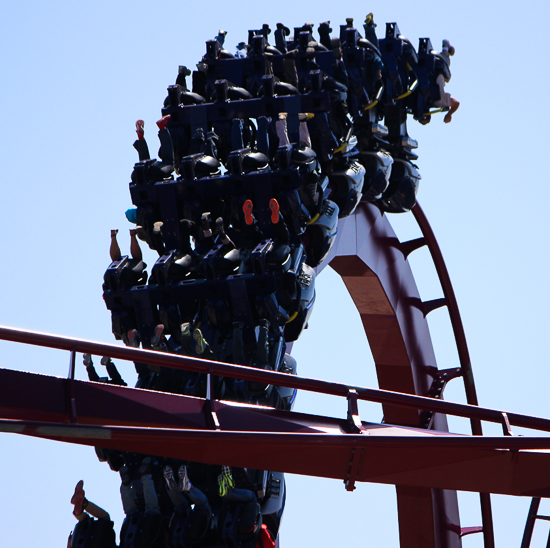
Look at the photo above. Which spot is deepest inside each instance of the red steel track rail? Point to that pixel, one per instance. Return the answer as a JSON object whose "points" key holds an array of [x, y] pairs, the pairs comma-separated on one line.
{"points": [[454, 312], [463, 353], [177, 426], [205, 430], [270, 377]]}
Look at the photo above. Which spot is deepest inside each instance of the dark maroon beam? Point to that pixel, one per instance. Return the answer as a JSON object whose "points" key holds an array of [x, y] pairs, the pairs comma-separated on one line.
{"points": [[12, 383], [452, 306], [32, 397], [41, 398], [371, 262], [507, 465], [462, 348]]}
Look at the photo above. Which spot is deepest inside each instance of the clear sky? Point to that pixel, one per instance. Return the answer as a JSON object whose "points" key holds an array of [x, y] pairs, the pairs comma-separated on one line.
{"points": [[75, 77]]}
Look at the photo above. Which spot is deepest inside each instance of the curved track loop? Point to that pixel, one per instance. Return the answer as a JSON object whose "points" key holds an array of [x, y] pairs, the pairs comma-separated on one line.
{"points": [[373, 265], [463, 353]]}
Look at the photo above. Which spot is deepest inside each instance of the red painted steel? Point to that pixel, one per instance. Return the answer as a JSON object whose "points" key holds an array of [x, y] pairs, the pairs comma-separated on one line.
{"points": [[454, 313], [21, 391], [369, 259], [33, 397], [505, 465], [463, 352], [530, 524], [302, 439]]}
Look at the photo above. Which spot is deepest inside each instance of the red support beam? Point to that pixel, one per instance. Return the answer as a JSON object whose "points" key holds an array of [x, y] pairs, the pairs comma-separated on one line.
{"points": [[463, 352], [249, 373], [369, 258], [504, 465]]}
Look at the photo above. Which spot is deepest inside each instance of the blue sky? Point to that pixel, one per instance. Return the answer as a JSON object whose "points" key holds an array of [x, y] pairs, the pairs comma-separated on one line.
{"points": [[76, 76]]}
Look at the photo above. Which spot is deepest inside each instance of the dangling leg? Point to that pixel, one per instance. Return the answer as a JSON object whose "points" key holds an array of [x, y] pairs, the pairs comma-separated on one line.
{"points": [[205, 225], [185, 486], [141, 144], [263, 135], [158, 333], [237, 134], [97, 512], [157, 240], [186, 339], [226, 240], [78, 500], [81, 503], [282, 132], [305, 139], [126, 493], [177, 498], [90, 369], [133, 338], [112, 371], [135, 250], [211, 149], [149, 492], [453, 108], [201, 346], [227, 488], [262, 350], [166, 151], [114, 249], [238, 345]]}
